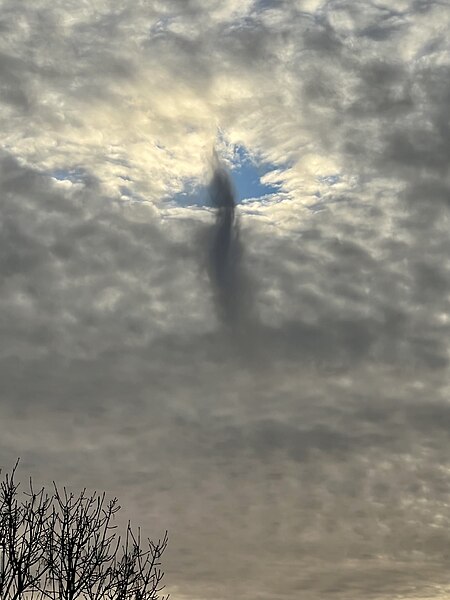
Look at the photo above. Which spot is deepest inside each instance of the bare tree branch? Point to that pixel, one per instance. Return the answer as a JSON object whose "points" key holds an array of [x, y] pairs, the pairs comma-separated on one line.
{"points": [[64, 546]]}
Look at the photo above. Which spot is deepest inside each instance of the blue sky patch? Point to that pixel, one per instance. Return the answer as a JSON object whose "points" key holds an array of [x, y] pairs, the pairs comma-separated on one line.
{"points": [[75, 175], [246, 176]]}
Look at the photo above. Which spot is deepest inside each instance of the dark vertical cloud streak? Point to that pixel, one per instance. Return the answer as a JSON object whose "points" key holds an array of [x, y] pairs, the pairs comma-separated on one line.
{"points": [[225, 258]]}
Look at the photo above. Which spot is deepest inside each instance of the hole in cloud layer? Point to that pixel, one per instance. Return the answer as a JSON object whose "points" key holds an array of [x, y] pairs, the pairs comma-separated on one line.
{"points": [[75, 175], [247, 177]]}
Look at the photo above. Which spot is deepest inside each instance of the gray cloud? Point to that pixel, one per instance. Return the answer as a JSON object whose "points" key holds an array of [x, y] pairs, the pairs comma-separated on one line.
{"points": [[313, 440], [347, 398]]}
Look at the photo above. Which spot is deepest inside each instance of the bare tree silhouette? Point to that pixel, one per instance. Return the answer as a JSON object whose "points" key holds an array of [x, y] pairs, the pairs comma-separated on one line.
{"points": [[64, 546]]}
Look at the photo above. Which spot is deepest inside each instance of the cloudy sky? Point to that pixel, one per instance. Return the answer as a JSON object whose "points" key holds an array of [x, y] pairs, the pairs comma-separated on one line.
{"points": [[289, 423]]}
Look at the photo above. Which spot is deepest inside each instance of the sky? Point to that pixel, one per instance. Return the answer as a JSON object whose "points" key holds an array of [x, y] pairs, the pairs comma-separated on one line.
{"points": [[268, 381]]}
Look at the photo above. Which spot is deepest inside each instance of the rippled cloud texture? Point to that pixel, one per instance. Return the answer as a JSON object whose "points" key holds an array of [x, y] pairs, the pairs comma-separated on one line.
{"points": [[301, 450]]}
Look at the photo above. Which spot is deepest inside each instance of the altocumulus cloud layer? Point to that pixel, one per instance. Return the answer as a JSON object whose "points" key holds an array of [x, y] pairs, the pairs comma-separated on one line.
{"points": [[308, 457]]}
